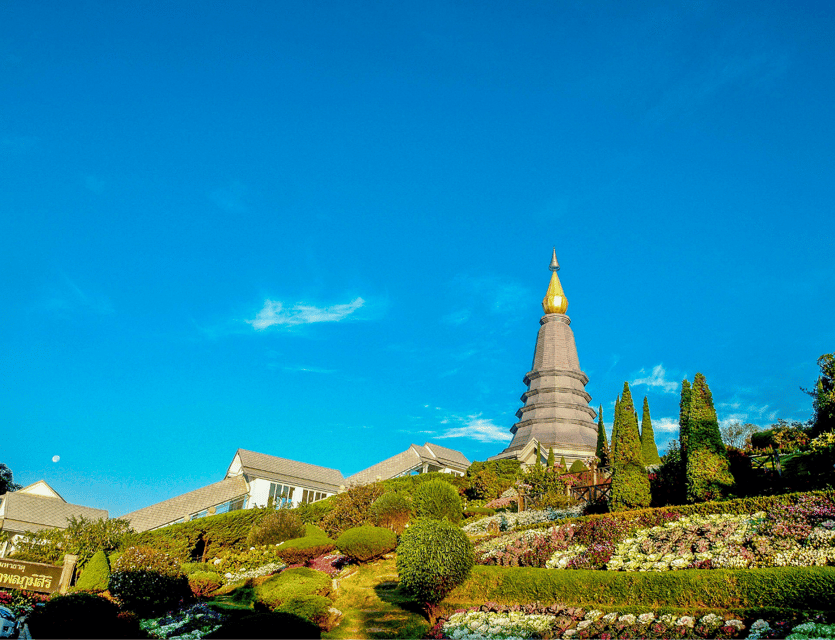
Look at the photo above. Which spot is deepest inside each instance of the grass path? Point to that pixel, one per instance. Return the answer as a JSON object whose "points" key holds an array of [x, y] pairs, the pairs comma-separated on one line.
{"points": [[373, 606]]}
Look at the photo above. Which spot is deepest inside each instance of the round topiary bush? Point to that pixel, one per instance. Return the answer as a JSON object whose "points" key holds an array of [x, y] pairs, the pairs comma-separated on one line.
{"points": [[202, 583], [392, 510], [300, 550], [147, 581], [438, 500], [433, 557], [96, 574], [275, 527], [366, 543], [76, 615]]}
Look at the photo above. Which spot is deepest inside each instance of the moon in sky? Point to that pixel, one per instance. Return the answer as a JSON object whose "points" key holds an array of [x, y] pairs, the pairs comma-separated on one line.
{"points": [[56, 458]]}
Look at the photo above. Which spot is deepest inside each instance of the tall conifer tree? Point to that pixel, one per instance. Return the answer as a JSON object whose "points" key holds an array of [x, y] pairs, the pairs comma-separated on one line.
{"points": [[602, 446], [630, 484], [648, 446], [706, 465], [550, 457], [683, 415], [615, 425]]}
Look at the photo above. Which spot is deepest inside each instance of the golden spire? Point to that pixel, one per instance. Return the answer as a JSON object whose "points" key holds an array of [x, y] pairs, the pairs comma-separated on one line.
{"points": [[554, 300]]}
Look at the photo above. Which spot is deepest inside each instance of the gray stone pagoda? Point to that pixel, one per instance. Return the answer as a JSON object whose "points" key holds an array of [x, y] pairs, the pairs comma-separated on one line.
{"points": [[556, 413]]}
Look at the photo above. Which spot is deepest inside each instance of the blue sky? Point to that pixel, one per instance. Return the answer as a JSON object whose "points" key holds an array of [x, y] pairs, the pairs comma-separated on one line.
{"points": [[322, 230]]}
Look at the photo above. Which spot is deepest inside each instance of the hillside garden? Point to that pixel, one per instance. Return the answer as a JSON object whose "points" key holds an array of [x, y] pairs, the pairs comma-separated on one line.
{"points": [[684, 546]]}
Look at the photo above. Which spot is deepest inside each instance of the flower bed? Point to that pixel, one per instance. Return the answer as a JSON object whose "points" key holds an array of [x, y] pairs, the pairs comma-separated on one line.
{"points": [[189, 624], [510, 521], [496, 622]]}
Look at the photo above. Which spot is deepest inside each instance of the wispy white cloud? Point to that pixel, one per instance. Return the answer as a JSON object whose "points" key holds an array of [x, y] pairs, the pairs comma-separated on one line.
{"points": [[656, 379], [476, 428], [275, 313], [668, 425], [301, 369]]}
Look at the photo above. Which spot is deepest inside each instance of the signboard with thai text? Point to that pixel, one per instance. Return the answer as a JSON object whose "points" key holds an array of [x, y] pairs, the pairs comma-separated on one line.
{"points": [[29, 576]]}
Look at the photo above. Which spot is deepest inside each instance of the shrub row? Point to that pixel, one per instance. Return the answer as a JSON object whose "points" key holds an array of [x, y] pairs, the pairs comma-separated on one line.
{"points": [[737, 506], [781, 587], [300, 550]]}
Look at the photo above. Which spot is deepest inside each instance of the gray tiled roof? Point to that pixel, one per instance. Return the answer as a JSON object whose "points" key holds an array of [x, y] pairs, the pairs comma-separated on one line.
{"points": [[178, 507], [411, 458], [29, 512], [302, 474]]}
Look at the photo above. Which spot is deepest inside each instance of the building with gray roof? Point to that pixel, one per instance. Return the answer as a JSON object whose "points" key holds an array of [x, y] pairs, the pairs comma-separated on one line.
{"points": [[415, 459]]}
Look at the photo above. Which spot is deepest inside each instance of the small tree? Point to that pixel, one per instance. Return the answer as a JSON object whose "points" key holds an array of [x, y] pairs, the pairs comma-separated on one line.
{"points": [[630, 484], [736, 434], [602, 451], [551, 461], [706, 460], [7, 483], [683, 416], [824, 397], [648, 447]]}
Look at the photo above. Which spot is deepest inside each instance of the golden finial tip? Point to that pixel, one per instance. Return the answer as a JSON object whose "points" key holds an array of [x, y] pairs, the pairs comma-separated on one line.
{"points": [[555, 300], [555, 266]]}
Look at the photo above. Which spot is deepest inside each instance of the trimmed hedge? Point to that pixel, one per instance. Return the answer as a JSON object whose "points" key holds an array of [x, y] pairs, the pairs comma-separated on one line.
{"points": [[95, 575], [737, 506], [220, 532], [276, 527], [202, 583], [366, 543], [311, 607], [780, 587], [292, 584], [438, 500], [300, 550]]}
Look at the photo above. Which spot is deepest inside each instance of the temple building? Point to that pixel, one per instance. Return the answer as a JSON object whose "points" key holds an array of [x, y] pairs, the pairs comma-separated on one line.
{"points": [[556, 412]]}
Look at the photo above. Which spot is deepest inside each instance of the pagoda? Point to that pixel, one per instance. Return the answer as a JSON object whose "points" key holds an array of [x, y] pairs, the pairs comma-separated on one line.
{"points": [[556, 412]]}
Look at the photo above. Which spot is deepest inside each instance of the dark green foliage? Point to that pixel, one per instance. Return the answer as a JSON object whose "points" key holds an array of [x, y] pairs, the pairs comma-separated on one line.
{"points": [[366, 543], [437, 499], [312, 531], [79, 615], [547, 489], [551, 462], [824, 397], [148, 582], [538, 454], [301, 550], [275, 527], [82, 537], [602, 452], [202, 583], [433, 557], [630, 484], [781, 436], [218, 533], [783, 587], [649, 450], [392, 510], [706, 463], [267, 625], [96, 574], [577, 467], [563, 463], [7, 483], [290, 584], [409, 484], [667, 485], [351, 509], [470, 512], [311, 607], [684, 416], [484, 485]]}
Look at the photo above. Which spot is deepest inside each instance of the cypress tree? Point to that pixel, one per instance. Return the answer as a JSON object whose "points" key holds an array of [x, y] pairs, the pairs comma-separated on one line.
{"points": [[602, 446], [648, 446], [550, 457], [563, 464], [630, 484], [707, 468], [538, 455], [683, 414], [615, 425]]}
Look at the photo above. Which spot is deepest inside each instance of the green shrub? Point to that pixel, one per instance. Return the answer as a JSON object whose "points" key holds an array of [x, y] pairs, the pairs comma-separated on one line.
{"points": [[782, 587], [391, 510], [366, 543], [312, 531], [267, 625], [433, 557], [577, 467], [95, 575], [202, 583], [314, 608], [470, 512], [438, 500], [313, 512], [147, 581], [276, 527], [204, 537], [301, 550], [193, 567], [291, 584], [77, 615], [351, 509]]}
